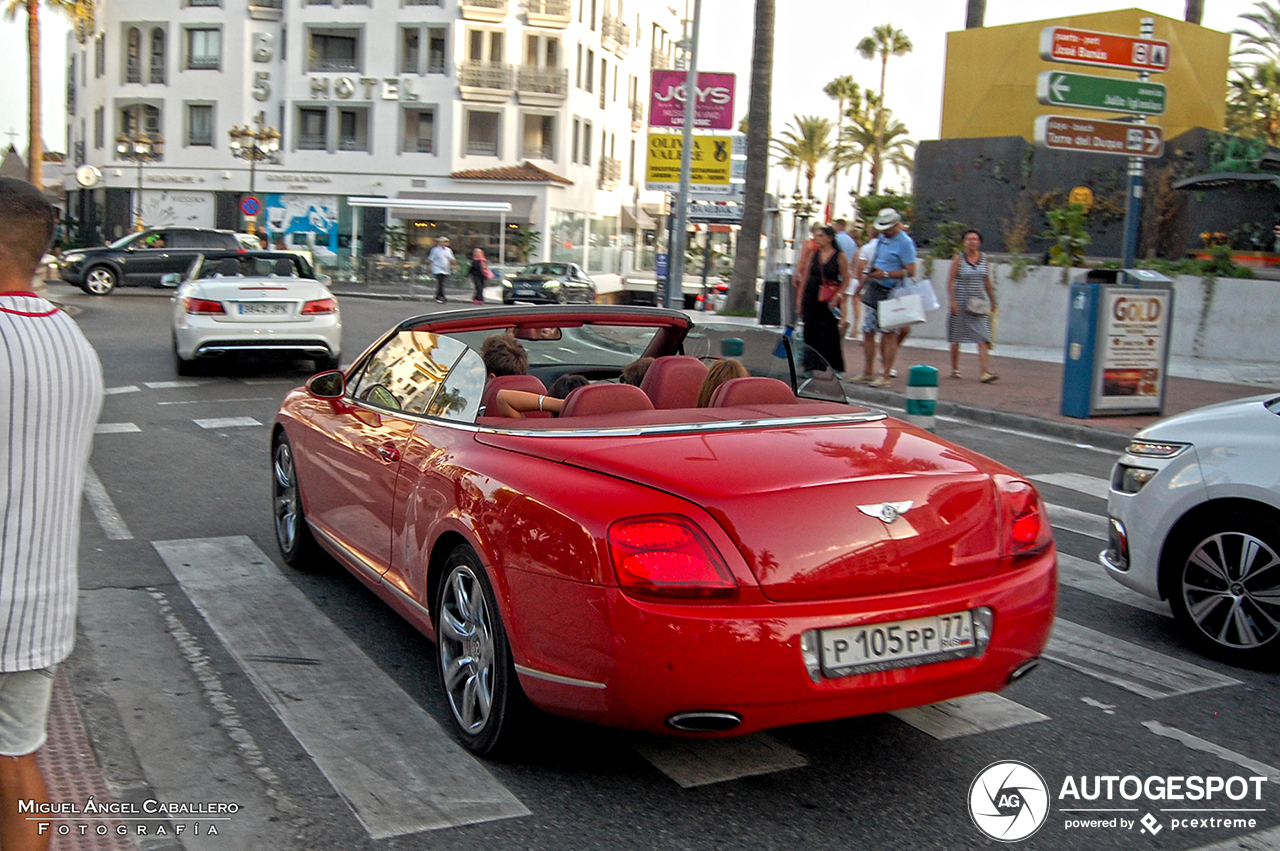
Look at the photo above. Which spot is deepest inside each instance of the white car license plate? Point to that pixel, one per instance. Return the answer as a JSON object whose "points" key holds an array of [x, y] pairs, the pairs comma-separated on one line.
{"points": [[263, 309], [897, 644], [524, 290]]}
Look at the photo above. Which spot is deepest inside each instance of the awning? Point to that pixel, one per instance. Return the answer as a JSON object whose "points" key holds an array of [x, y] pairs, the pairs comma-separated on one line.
{"points": [[639, 220]]}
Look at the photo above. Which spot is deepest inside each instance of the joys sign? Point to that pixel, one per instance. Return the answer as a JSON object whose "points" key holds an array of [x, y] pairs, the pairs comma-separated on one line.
{"points": [[667, 98]]}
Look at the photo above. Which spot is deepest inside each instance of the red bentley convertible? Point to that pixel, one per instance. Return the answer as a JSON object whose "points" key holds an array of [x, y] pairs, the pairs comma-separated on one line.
{"points": [[640, 562]]}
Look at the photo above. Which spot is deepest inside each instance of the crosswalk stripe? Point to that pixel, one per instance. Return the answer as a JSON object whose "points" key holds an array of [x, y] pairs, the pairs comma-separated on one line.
{"points": [[1080, 522], [170, 385], [1263, 840], [965, 716], [227, 422], [396, 769], [115, 428], [1089, 576], [1128, 666], [1091, 485], [127, 388], [113, 525], [1205, 746], [691, 762]]}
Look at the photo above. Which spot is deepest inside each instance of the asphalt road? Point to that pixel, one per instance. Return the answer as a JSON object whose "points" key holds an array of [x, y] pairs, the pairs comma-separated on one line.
{"points": [[183, 580]]}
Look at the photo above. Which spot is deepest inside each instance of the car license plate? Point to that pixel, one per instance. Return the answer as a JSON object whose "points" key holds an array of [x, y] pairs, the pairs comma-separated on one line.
{"points": [[524, 290], [897, 644], [263, 309]]}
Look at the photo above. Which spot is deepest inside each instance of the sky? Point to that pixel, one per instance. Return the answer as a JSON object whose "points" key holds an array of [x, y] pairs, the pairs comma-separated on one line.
{"points": [[814, 42]]}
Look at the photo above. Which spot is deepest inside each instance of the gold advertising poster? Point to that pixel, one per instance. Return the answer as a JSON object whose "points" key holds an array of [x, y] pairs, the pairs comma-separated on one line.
{"points": [[1133, 335]]}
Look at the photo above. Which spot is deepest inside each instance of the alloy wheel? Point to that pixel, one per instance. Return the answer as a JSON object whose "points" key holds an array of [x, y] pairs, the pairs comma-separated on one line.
{"points": [[285, 481], [1231, 588], [467, 649], [100, 280]]}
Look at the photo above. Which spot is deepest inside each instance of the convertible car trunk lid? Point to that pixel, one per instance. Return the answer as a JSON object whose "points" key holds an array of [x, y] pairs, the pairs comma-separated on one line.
{"points": [[818, 512]]}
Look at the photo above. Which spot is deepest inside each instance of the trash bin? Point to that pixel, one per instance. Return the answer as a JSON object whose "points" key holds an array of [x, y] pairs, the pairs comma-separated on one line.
{"points": [[771, 303], [1117, 347]]}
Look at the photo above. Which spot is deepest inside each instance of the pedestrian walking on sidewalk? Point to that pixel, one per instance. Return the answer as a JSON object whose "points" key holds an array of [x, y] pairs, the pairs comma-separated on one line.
{"points": [[51, 384], [442, 264], [849, 247], [479, 273], [893, 263], [972, 299], [821, 330]]}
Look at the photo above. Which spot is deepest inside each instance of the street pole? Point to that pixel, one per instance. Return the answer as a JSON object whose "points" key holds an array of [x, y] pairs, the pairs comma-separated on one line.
{"points": [[675, 263], [1133, 199]]}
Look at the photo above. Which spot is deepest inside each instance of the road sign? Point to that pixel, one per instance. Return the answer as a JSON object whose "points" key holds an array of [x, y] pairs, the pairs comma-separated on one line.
{"points": [[1099, 137], [1112, 94], [712, 156], [250, 206], [667, 98], [1105, 50], [715, 213]]}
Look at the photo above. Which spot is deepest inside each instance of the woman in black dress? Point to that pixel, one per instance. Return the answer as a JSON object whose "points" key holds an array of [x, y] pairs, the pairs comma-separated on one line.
{"points": [[821, 329]]}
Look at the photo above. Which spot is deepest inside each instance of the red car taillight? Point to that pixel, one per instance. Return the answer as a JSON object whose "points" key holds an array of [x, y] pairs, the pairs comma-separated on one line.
{"points": [[1026, 525], [201, 305], [319, 306], [666, 557]]}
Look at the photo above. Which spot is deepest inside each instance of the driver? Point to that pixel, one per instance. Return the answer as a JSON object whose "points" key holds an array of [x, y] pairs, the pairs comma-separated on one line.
{"points": [[503, 355]]}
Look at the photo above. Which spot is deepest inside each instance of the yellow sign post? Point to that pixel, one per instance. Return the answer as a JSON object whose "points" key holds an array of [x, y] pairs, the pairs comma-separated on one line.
{"points": [[712, 162]]}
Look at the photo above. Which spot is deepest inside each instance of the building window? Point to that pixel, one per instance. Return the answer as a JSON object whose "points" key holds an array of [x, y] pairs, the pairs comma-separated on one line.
{"points": [[204, 49], [99, 56], [482, 134], [99, 127], [591, 66], [353, 129], [133, 65], [204, 2], [419, 131], [334, 50], [436, 51], [577, 77], [538, 140], [409, 52], [577, 131], [313, 129], [592, 23], [586, 143], [422, 2], [157, 56], [139, 118], [631, 164], [200, 125], [604, 79]]}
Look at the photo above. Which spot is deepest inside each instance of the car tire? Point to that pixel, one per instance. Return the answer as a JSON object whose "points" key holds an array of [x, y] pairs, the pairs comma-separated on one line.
{"points": [[100, 280], [1223, 583], [297, 544], [474, 659], [325, 363]]}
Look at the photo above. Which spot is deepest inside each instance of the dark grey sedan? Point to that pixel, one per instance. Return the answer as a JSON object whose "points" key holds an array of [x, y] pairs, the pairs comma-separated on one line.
{"points": [[549, 283]]}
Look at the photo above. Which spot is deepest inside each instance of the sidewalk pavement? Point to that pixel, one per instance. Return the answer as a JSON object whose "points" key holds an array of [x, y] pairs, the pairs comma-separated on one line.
{"points": [[1028, 395]]}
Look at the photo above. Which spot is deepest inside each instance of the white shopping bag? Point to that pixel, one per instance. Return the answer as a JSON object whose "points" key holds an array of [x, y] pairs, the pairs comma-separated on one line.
{"points": [[897, 312]]}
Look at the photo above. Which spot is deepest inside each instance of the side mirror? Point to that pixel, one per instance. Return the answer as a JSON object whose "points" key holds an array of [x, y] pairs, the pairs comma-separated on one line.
{"points": [[324, 280], [170, 279], [330, 385]]}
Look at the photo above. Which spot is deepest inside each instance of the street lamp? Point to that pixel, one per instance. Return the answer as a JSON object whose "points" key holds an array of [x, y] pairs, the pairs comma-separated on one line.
{"points": [[802, 209], [254, 146], [140, 148]]}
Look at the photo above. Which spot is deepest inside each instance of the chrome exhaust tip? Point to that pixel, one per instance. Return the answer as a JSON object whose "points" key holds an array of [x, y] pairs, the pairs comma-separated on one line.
{"points": [[704, 721], [1022, 670]]}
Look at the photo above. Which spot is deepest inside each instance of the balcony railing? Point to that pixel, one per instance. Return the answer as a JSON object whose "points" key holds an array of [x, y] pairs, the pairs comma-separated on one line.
{"points": [[538, 152], [614, 34], [157, 71], [311, 142], [496, 76], [610, 171], [637, 114], [266, 10], [555, 11], [659, 60], [482, 147], [422, 2], [133, 71], [420, 146], [353, 143], [266, 4], [548, 81], [491, 11], [321, 63]]}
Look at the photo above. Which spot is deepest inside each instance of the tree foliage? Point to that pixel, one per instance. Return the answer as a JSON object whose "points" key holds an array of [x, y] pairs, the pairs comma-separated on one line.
{"points": [[805, 143], [1253, 91], [884, 42]]}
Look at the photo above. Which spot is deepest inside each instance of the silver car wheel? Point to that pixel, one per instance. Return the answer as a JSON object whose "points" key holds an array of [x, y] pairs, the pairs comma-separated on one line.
{"points": [[1231, 589], [100, 280], [286, 497], [466, 649]]}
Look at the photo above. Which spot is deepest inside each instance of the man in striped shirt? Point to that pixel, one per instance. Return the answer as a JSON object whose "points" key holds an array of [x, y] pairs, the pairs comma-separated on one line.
{"points": [[50, 396]]}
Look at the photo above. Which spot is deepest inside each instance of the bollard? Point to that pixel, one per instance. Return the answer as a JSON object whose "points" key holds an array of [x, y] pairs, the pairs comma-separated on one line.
{"points": [[922, 396]]}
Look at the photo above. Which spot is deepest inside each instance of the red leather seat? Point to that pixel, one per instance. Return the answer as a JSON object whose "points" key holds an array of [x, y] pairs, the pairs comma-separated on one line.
{"points": [[605, 399], [527, 383], [674, 381], [752, 390]]}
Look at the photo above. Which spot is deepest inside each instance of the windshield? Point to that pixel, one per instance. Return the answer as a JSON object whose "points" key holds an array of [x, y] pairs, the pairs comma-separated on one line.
{"points": [[769, 353], [125, 241], [555, 269], [252, 267], [588, 344]]}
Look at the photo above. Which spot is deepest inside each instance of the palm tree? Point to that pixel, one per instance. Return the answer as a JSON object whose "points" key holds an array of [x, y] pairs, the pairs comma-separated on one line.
{"points": [[841, 89], [1253, 102], [741, 298], [80, 11], [878, 127], [807, 141], [884, 41], [1267, 45]]}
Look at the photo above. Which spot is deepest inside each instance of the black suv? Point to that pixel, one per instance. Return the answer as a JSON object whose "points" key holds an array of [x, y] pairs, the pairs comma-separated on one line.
{"points": [[140, 259]]}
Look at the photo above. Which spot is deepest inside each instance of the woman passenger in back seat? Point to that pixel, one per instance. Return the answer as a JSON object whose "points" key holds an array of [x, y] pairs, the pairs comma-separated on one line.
{"points": [[517, 403], [718, 373]]}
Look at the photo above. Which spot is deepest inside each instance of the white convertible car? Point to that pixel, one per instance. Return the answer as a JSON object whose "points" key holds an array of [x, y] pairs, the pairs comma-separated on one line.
{"points": [[259, 302], [1195, 519]]}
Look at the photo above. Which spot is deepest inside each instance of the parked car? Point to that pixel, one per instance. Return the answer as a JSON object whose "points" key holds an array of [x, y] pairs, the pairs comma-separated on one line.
{"points": [[140, 259], [261, 302], [549, 283], [248, 241], [779, 557], [1195, 520]]}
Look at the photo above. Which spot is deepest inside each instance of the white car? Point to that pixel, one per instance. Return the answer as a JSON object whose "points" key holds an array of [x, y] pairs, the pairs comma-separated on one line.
{"points": [[263, 302], [1195, 519]]}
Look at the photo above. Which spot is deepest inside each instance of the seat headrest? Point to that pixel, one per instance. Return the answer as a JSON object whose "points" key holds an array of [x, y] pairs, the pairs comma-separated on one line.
{"points": [[752, 390], [605, 399], [228, 267], [284, 267], [673, 381], [527, 383]]}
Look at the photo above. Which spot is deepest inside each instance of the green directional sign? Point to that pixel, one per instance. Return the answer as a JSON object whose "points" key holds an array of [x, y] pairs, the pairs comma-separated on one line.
{"points": [[1111, 94]]}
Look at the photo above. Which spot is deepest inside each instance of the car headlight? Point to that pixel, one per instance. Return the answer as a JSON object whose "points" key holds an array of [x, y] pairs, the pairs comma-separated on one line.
{"points": [[1156, 449], [72, 258], [1126, 479], [551, 285]]}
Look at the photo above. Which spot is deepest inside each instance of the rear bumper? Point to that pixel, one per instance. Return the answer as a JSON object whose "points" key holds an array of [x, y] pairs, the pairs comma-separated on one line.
{"points": [[202, 337], [642, 663]]}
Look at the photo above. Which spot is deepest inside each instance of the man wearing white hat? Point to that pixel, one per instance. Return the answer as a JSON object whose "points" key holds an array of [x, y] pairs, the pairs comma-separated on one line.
{"points": [[894, 262]]}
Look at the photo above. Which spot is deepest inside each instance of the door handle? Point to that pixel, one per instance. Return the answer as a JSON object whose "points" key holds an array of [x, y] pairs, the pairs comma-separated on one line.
{"points": [[388, 453]]}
